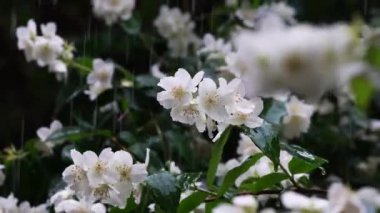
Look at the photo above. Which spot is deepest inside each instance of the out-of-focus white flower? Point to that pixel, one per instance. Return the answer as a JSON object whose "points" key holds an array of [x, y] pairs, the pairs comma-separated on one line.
{"points": [[178, 90], [100, 78], [2, 175], [342, 199], [173, 168], [285, 59], [26, 37], [85, 206], [156, 72], [177, 28], [8, 204], [300, 203], [113, 10], [223, 168], [214, 47], [273, 16], [246, 147], [370, 197], [298, 118], [25, 207], [262, 167], [231, 3], [240, 204], [43, 134]]}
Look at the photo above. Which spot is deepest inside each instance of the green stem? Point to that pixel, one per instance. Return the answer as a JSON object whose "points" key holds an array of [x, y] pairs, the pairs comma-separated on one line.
{"points": [[294, 182], [80, 67]]}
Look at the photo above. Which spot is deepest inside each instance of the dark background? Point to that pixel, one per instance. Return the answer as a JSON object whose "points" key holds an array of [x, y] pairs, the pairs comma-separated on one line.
{"points": [[28, 94]]}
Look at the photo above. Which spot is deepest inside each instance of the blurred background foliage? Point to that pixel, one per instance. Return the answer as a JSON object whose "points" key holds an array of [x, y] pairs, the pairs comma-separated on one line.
{"points": [[30, 97]]}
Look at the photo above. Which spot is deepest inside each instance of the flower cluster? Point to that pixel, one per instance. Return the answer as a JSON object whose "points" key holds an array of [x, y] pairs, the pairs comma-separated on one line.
{"points": [[339, 199], [47, 49], [177, 28], [110, 178], [43, 134], [214, 47], [113, 10], [100, 78], [201, 102], [269, 61], [9, 205]]}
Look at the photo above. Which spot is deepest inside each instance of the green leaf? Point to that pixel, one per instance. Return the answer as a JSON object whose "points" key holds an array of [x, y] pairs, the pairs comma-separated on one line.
{"points": [[266, 181], [146, 81], [266, 139], [132, 26], [303, 161], [186, 180], [363, 90], [191, 202], [164, 190], [275, 112], [216, 155], [297, 165], [76, 134], [373, 56], [233, 174]]}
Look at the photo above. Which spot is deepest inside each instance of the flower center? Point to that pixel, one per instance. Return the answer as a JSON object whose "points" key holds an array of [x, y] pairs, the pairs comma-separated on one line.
{"points": [[212, 101], [99, 167], [125, 173], [178, 93], [103, 76], [103, 191]]}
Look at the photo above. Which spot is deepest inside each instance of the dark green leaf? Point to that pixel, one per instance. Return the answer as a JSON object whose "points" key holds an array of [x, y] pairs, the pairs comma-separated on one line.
{"points": [[275, 112], [233, 174], [363, 90], [303, 161], [191, 202], [266, 139], [266, 181], [297, 165], [216, 155], [186, 180], [76, 134], [164, 190], [146, 81], [132, 26]]}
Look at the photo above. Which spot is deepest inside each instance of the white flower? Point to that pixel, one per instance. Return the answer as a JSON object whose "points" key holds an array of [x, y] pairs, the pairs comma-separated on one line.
{"points": [[8, 204], [156, 72], [190, 114], [43, 134], [215, 47], [223, 168], [177, 28], [113, 10], [298, 118], [268, 61], [26, 208], [26, 37], [178, 90], [370, 197], [342, 199], [240, 204], [301, 203], [122, 164], [173, 168], [85, 206], [75, 174], [59, 196], [213, 100], [2, 175], [100, 78], [98, 171], [246, 147]]}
